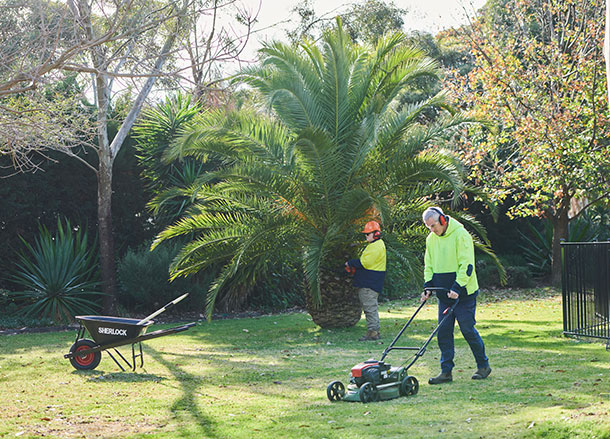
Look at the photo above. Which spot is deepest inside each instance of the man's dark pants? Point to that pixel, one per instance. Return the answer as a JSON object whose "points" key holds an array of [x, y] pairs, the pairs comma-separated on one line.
{"points": [[464, 313]]}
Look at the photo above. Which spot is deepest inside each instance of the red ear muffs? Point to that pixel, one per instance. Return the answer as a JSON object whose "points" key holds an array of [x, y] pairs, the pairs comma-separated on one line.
{"points": [[376, 234]]}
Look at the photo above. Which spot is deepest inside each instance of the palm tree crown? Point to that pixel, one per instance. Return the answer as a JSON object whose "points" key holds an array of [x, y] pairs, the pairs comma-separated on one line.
{"points": [[337, 149]]}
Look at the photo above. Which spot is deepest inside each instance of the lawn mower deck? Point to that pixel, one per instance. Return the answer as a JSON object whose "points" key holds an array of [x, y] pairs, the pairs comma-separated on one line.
{"points": [[374, 381]]}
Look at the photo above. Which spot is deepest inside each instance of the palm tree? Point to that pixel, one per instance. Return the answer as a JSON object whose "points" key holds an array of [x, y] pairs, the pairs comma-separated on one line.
{"points": [[167, 182], [337, 151]]}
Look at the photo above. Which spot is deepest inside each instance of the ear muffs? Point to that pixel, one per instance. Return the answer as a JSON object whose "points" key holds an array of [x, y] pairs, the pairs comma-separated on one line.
{"points": [[442, 219], [376, 234]]}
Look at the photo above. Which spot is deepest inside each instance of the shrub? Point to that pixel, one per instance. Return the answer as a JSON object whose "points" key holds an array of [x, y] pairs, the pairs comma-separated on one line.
{"points": [[58, 275], [17, 321], [282, 288], [144, 281], [537, 244], [518, 274], [398, 282]]}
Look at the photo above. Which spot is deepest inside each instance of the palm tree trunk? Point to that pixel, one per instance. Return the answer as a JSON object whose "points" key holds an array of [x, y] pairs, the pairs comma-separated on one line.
{"points": [[340, 306]]}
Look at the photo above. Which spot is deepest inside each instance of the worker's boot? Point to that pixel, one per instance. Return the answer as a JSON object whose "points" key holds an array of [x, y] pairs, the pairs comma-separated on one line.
{"points": [[370, 335], [443, 377], [481, 374]]}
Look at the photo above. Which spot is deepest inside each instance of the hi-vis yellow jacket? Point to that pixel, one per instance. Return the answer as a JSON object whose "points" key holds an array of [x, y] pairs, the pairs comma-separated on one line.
{"points": [[370, 268], [449, 261]]}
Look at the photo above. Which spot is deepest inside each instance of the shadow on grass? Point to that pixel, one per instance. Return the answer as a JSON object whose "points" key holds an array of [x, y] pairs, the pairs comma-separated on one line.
{"points": [[188, 402], [123, 377]]}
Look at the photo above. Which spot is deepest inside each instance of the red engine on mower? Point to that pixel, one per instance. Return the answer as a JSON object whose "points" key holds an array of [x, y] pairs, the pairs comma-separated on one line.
{"points": [[371, 371]]}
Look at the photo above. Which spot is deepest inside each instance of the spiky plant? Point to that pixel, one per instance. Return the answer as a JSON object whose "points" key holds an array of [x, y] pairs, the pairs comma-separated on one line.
{"points": [[338, 150], [58, 275]]}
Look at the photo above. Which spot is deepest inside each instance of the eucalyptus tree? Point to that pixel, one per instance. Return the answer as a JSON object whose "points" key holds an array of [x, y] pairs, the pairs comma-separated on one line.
{"points": [[118, 50], [334, 151], [365, 21]]}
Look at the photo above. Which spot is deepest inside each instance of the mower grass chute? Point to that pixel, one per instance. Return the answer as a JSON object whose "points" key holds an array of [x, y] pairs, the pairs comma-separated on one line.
{"points": [[375, 380]]}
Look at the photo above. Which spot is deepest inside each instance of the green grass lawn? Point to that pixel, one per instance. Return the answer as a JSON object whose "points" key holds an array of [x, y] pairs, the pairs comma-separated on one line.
{"points": [[266, 377]]}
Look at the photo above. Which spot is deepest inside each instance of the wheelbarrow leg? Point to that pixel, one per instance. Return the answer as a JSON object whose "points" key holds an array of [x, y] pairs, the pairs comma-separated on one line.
{"points": [[134, 356], [114, 359], [80, 333]]}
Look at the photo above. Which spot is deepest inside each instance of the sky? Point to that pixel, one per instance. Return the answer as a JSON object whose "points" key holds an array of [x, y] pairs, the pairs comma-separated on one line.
{"points": [[422, 15]]}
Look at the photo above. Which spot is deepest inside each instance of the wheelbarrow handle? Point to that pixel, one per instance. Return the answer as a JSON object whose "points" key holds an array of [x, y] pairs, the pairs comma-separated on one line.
{"points": [[165, 308]]}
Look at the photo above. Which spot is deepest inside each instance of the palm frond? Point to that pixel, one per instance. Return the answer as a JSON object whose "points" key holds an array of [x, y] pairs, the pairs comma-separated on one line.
{"points": [[410, 260]]}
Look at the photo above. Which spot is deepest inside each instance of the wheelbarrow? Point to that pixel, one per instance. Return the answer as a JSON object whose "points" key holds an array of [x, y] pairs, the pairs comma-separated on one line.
{"points": [[112, 332]]}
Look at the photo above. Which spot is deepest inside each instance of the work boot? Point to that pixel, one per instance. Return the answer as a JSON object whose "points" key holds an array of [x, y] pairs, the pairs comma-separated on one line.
{"points": [[481, 374], [370, 335], [443, 377]]}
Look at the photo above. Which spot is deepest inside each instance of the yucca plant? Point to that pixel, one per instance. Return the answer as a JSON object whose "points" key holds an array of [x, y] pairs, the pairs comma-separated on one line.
{"points": [[58, 274], [337, 151]]}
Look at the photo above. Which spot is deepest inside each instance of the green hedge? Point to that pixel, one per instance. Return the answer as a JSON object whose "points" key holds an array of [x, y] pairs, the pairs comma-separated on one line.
{"points": [[518, 274]]}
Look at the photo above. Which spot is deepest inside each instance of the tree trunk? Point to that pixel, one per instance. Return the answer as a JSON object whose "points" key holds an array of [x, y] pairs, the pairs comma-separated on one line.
{"points": [[340, 306], [104, 191], [560, 232], [607, 48], [105, 232]]}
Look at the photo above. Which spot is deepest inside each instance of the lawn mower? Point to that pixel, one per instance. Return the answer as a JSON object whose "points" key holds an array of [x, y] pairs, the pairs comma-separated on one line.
{"points": [[374, 380]]}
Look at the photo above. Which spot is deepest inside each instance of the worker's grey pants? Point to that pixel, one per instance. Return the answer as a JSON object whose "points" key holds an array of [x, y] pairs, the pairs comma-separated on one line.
{"points": [[368, 299]]}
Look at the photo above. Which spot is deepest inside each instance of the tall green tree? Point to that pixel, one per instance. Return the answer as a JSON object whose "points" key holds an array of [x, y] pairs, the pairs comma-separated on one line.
{"points": [[539, 78], [365, 21], [335, 153], [167, 182]]}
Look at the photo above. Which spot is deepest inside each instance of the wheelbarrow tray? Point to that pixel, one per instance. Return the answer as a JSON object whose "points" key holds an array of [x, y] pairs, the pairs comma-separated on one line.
{"points": [[114, 341], [106, 330]]}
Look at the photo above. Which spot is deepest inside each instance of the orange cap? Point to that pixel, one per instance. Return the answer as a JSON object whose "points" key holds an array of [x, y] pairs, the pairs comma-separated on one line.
{"points": [[371, 226]]}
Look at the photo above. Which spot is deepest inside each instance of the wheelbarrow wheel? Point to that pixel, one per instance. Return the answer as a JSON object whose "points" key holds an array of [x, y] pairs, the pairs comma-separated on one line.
{"points": [[335, 391], [409, 386], [368, 392], [85, 362]]}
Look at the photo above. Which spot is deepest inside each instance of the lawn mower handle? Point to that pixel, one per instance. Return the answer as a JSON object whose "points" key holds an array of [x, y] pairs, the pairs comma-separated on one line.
{"points": [[448, 311], [423, 348]]}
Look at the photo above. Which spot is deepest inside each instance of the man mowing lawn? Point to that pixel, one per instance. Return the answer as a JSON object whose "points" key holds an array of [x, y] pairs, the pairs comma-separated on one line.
{"points": [[449, 263]]}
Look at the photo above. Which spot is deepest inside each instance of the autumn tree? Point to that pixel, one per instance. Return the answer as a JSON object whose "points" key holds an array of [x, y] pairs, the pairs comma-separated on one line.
{"points": [[539, 78], [607, 48]]}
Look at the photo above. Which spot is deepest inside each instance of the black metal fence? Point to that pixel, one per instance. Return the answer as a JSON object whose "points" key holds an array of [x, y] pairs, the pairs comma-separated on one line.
{"points": [[586, 289]]}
